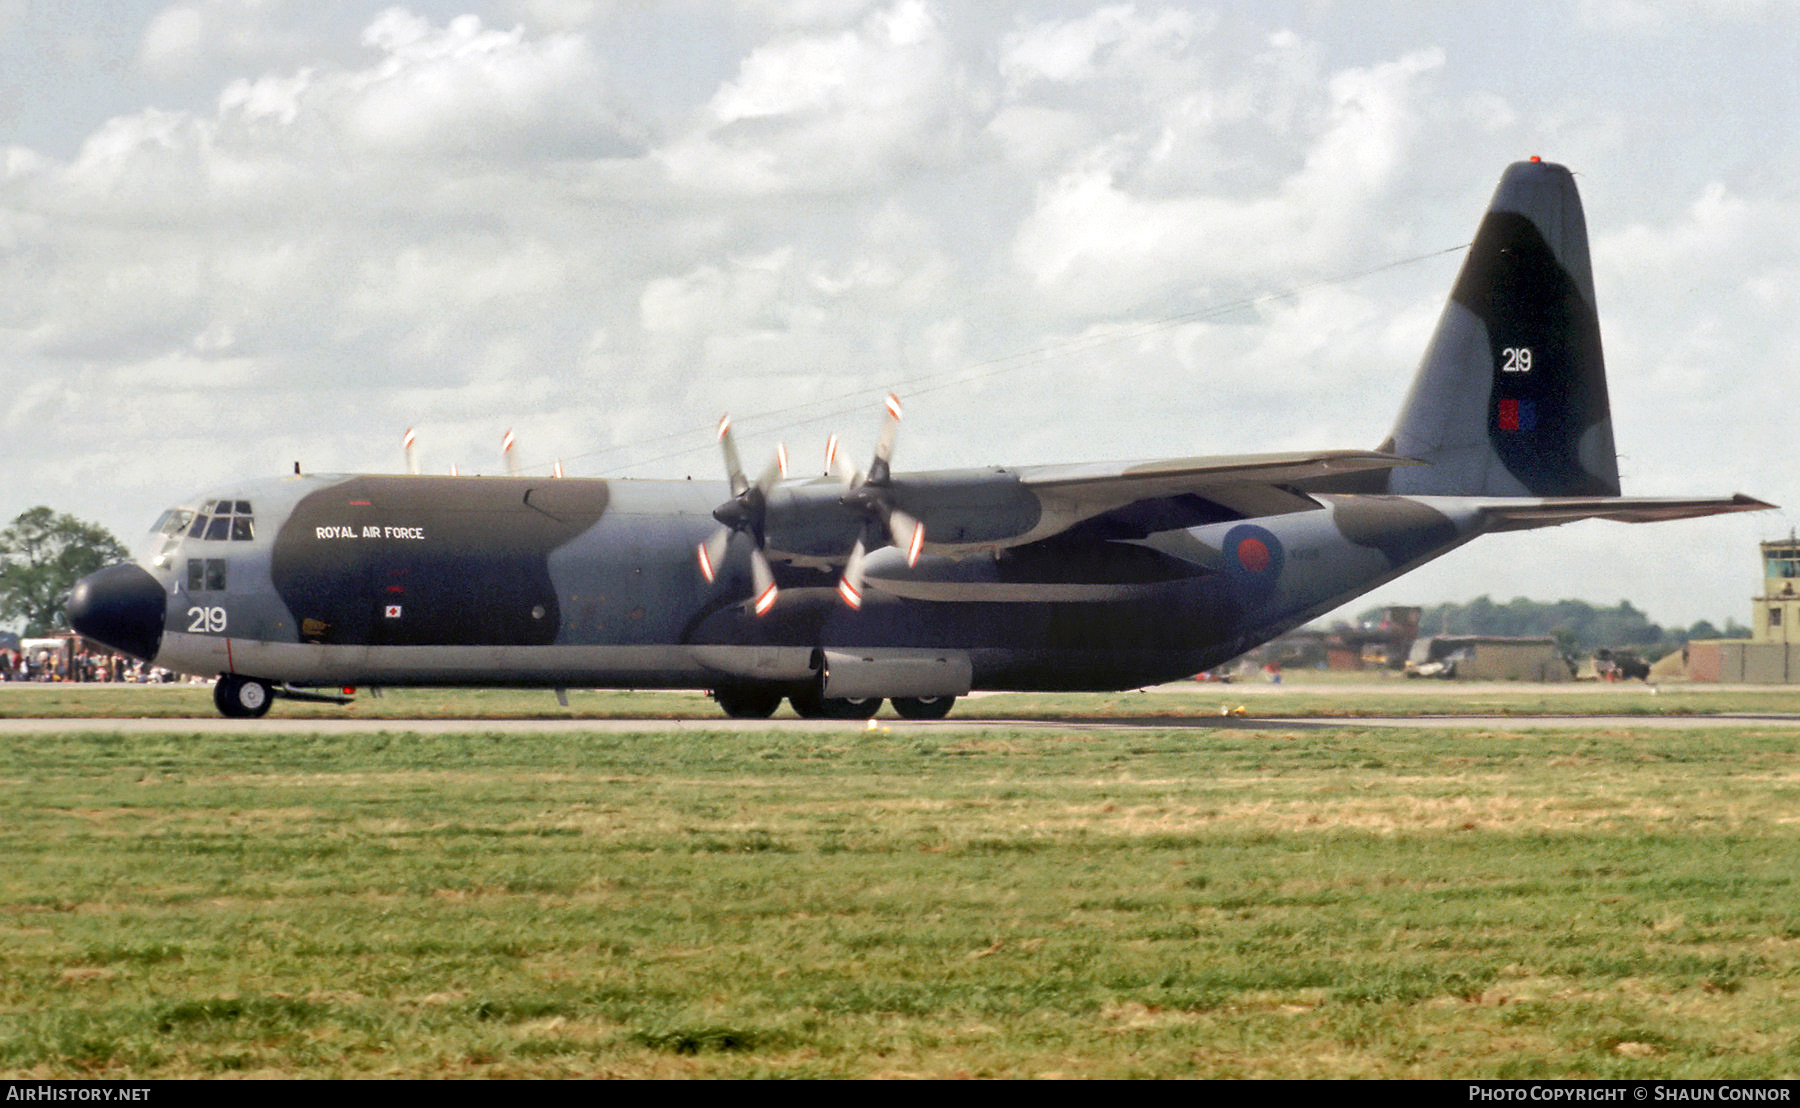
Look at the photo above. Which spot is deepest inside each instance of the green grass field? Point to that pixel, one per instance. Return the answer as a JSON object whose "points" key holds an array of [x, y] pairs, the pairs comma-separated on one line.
{"points": [[1219, 903]]}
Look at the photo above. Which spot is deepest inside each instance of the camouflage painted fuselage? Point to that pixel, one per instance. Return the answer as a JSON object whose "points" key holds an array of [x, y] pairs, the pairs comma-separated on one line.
{"points": [[378, 580]]}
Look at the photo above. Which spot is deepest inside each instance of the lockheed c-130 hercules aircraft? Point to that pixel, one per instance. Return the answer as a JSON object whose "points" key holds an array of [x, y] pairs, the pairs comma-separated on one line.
{"points": [[841, 590]]}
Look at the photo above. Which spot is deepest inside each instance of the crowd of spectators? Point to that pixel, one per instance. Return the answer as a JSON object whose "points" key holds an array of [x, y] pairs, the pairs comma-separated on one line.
{"points": [[43, 663]]}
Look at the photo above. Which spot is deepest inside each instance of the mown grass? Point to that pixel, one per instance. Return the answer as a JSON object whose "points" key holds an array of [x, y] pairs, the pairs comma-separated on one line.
{"points": [[1305, 695], [1342, 903]]}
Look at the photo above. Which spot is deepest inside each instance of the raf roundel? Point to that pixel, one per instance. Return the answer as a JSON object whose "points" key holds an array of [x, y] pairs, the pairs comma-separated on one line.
{"points": [[1253, 557]]}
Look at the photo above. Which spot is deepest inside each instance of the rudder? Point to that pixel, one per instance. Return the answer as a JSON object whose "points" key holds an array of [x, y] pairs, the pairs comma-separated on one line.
{"points": [[1510, 397]]}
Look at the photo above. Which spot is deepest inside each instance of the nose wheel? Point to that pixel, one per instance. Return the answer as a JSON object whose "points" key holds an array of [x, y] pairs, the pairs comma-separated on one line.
{"points": [[242, 697]]}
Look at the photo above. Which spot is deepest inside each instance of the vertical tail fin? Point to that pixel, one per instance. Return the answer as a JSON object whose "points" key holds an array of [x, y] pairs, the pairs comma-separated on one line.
{"points": [[1510, 397]]}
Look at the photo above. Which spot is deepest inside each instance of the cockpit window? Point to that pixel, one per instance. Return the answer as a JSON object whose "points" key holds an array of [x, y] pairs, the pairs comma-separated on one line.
{"points": [[221, 521]]}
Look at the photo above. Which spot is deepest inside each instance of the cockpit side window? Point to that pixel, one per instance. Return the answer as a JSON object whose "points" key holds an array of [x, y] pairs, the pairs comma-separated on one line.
{"points": [[206, 575], [173, 522]]}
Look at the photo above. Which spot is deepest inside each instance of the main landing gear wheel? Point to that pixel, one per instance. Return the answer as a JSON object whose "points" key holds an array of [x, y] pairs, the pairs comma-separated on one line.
{"points": [[242, 697], [747, 703], [923, 707], [810, 705]]}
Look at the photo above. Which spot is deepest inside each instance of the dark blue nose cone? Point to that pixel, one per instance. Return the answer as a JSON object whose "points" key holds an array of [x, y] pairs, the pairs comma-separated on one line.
{"points": [[120, 606]]}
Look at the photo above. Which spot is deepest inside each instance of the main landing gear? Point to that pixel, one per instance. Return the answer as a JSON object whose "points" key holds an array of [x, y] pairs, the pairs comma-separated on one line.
{"points": [[811, 704], [761, 703], [923, 707], [747, 703], [242, 697]]}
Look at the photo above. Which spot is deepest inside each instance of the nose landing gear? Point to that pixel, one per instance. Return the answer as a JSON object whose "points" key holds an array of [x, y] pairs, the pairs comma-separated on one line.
{"points": [[242, 697]]}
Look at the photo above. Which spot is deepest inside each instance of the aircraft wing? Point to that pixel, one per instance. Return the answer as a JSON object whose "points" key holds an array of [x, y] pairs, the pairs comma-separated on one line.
{"points": [[1255, 484], [1523, 515], [1120, 499], [964, 511]]}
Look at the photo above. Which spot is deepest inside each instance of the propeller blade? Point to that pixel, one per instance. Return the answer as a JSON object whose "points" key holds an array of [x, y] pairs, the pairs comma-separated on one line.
{"points": [[762, 579], [412, 451], [850, 585], [506, 451], [712, 552], [836, 461], [774, 472], [908, 534], [884, 446], [734, 468]]}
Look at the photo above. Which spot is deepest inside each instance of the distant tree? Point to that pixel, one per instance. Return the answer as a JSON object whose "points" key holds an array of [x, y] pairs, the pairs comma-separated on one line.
{"points": [[1703, 630], [42, 555]]}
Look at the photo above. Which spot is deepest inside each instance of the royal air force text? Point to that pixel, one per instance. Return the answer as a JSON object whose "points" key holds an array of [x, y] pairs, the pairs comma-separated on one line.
{"points": [[369, 531]]}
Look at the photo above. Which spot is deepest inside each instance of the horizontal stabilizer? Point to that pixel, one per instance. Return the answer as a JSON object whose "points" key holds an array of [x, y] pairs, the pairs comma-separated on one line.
{"points": [[1523, 515]]}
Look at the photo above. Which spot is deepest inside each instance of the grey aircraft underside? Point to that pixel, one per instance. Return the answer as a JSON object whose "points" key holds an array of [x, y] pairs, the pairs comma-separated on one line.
{"points": [[841, 590]]}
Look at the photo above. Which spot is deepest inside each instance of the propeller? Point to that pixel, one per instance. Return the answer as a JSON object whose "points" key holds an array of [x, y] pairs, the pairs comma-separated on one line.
{"points": [[506, 451], [871, 494], [745, 512], [411, 445]]}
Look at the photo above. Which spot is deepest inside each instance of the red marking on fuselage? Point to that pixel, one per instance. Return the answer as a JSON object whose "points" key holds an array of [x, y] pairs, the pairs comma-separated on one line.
{"points": [[1253, 555]]}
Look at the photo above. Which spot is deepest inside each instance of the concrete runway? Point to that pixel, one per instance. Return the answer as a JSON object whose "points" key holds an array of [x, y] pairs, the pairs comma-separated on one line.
{"points": [[956, 724], [968, 716]]}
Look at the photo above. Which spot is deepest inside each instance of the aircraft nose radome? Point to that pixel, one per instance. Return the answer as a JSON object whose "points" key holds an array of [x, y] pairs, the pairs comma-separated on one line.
{"points": [[120, 606]]}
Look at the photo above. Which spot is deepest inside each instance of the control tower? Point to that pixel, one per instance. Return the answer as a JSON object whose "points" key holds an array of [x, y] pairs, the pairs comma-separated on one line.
{"points": [[1771, 656], [1777, 611]]}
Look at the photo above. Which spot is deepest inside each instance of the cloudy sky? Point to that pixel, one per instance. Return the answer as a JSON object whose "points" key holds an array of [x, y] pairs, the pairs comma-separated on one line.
{"points": [[239, 233]]}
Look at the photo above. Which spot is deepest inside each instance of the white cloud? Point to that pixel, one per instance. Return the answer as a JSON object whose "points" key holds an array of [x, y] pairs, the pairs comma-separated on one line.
{"points": [[187, 40], [1091, 237], [174, 41], [1114, 40], [468, 90], [828, 112]]}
